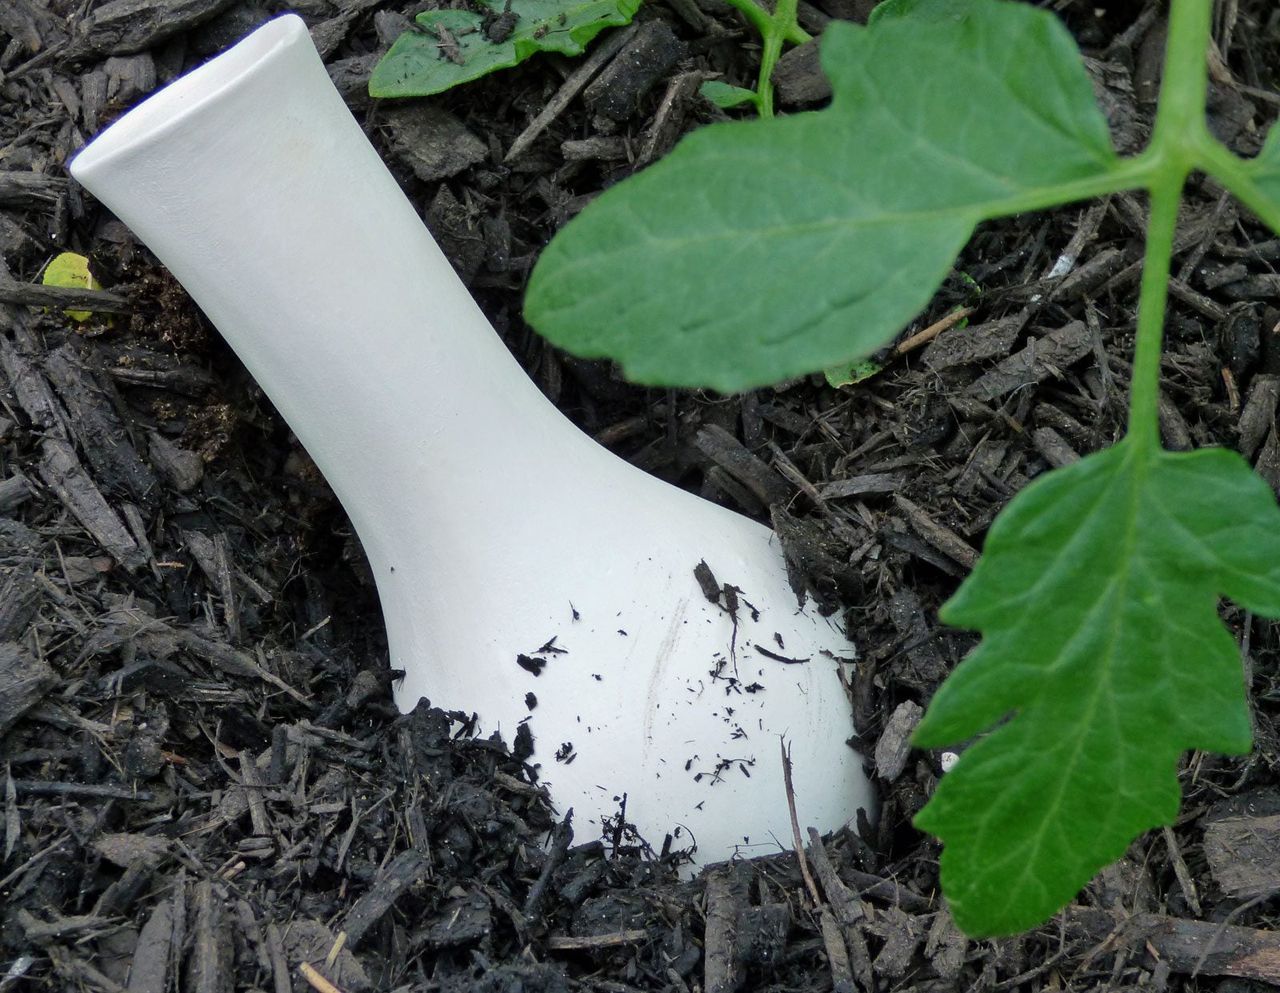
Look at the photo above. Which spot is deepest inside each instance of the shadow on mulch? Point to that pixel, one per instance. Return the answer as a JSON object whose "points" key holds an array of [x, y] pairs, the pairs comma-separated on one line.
{"points": [[206, 785]]}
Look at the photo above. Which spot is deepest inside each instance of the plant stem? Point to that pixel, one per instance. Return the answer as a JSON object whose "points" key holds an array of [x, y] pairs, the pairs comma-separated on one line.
{"points": [[763, 21], [784, 15], [1180, 125], [756, 15], [775, 29], [1144, 390], [1176, 143]]}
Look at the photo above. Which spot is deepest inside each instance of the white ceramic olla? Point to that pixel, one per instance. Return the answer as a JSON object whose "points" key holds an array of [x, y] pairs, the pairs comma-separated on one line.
{"points": [[515, 558]]}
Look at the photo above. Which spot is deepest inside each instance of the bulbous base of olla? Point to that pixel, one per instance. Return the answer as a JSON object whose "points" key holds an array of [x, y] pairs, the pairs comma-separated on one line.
{"points": [[634, 683]]}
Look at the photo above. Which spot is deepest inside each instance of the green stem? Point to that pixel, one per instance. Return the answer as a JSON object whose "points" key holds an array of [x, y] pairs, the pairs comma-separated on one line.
{"points": [[797, 35], [775, 29], [1180, 125], [1144, 390], [1177, 144], [756, 16], [763, 21], [1240, 176], [784, 16]]}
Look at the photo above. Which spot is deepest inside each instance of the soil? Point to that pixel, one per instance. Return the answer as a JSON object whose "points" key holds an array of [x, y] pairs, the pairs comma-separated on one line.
{"points": [[205, 783]]}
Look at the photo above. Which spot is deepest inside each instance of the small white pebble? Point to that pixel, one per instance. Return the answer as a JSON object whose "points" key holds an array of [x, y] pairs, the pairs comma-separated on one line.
{"points": [[947, 760]]}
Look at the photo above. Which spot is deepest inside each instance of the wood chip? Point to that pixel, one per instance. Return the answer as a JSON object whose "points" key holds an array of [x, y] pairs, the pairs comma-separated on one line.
{"points": [[1267, 463], [837, 955], [894, 747], [903, 933], [465, 920], [312, 945], [127, 849], [124, 27], [279, 964], [864, 485], [975, 343], [726, 892], [1056, 450], [30, 189], [181, 469], [668, 121], [946, 947], [798, 77], [149, 971], [1041, 359], [402, 872], [727, 484], [62, 297], [1174, 430], [102, 435], [1199, 947], [942, 538], [1259, 413], [1262, 286], [57, 929], [1197, 301], [647, 56], [431, 141], [748, 469], [78, 973], [213, 558], [843, 901], [29, 386], [20, 598], [210, 967], [14, 492], [24, 681], [62, 472], [1244, 855]]}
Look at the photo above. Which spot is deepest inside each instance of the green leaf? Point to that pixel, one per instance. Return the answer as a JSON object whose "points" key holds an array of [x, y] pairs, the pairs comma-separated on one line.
{"points": [[71, 271], [764, 249], [1266, 166], [725, 96], [936, 9], [1097, 598], [852, 373], [457, 46], [1259, 180]]}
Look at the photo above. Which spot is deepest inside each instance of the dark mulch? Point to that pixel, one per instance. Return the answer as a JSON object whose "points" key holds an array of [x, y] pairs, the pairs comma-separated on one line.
{"points": [[205, 784]]}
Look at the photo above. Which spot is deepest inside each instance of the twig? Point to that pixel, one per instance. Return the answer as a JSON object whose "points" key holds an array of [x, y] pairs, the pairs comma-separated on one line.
{"points": [[1212, 943], [335, 950], [1185, 882], [810, 885], [569, 89], [1185, 946], [837, 955], [561, 838], [890, 891], [317, 981], [570, 943], [88, 791], [932, 331], [942, 538], [720, 966], [62, 297], [279, 964], [23, 189], [847, 907]]}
